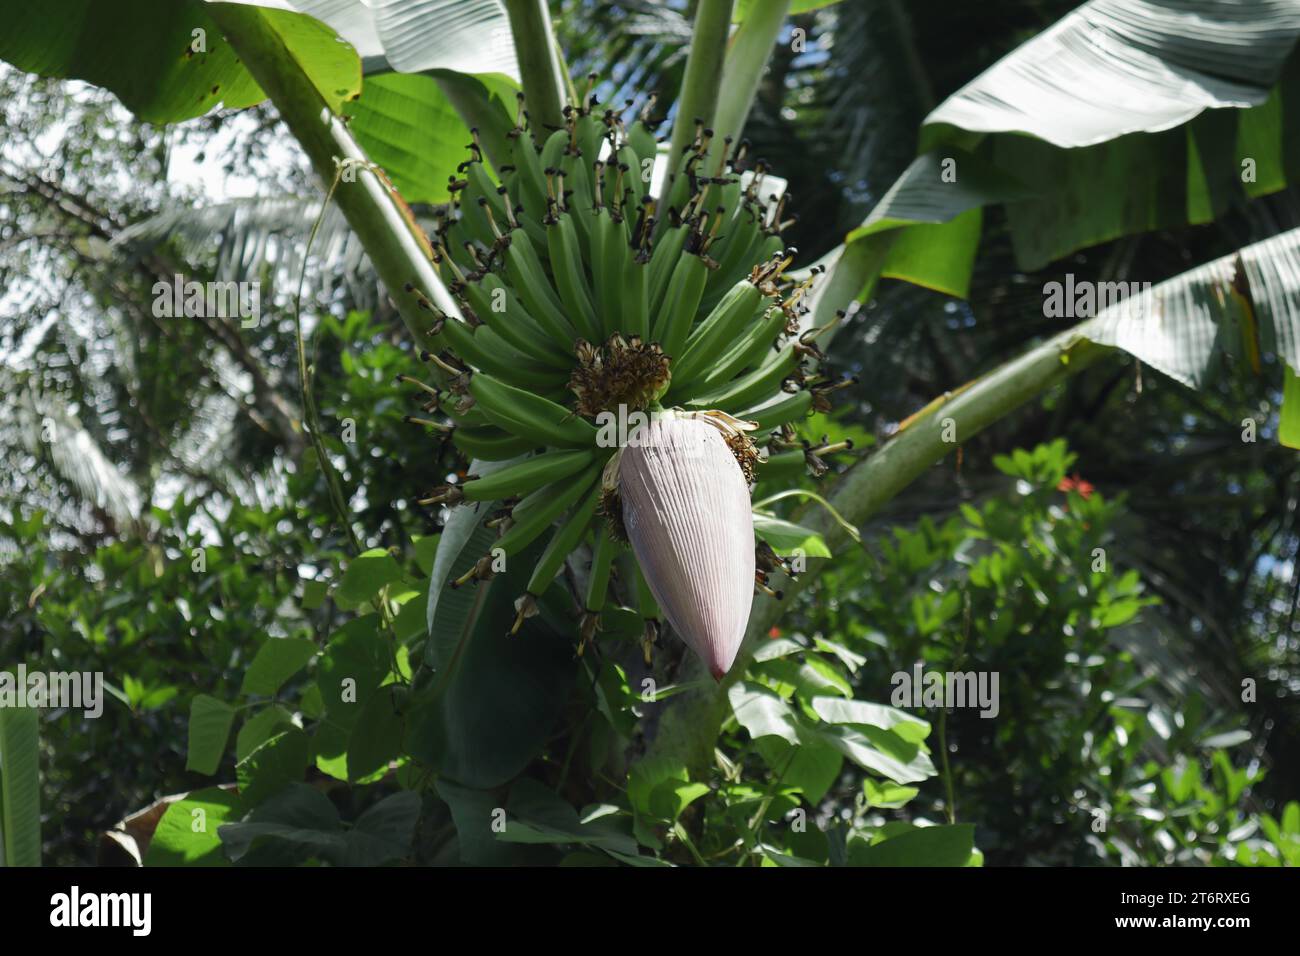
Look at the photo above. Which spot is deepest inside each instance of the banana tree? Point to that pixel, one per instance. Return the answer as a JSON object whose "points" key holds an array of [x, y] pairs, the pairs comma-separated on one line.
{"points": [[585, 269]]}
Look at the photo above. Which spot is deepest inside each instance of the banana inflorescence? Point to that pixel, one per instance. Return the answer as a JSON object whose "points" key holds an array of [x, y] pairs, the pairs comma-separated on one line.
{"points": [[584, 299]]}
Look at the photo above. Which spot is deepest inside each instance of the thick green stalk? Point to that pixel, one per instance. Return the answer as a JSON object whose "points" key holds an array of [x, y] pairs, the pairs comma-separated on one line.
{"points": [[371, 209], [689, 726], [751, 48], [20, 786], [699, 95], [539, 70]]}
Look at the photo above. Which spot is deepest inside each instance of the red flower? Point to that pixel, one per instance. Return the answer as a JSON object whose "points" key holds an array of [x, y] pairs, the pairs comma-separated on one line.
{"points": [[774, 633], [1075, 483]]}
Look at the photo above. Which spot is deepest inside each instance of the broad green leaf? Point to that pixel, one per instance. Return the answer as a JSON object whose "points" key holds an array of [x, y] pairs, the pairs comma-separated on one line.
{"points": [[165, 59], [385, 832], [210, 721], [924, 846], [376, 737], [1113, 67], [410, 623], [294, 825], [478, 816], [880, 751], [20, 787], [787, 538], [762, 713], [365, 577], [313, 594], [743, 7], [775, 648], [187, 833], [259, 728], [538, 815], [836, 710], [1040, 133], [1186, 325], [889, 796], [812, 767], [351, 669], [410, 36], [495, 697], [938, 256], [408, 127], [279, 761], [809, 677], [647, 775], [452, 613], [278, 659]]}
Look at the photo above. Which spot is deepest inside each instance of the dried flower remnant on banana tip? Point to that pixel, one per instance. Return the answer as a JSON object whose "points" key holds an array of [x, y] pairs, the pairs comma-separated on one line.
{"points": [[579, 295]]}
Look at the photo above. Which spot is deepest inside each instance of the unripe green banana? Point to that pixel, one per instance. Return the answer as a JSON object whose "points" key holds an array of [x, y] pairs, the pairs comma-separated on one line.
{"points": [[791, 408], [529, 186], [566, 266], [663, 259], [603, 551], [722, 325], [749, 350], [784, 465], [535, 513], [564, 540], [482, 348], [554, 148], [642, 141], [528, 475], [489, 443], [497, 306], [636, 307], [529, 280], [672, 324], [748, 389], [529, 415]]}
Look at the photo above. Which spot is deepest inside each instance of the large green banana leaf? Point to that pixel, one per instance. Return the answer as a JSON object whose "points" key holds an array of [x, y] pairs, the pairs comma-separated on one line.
{"points": [[167, 61], [1245, 306], [1125, 116]]}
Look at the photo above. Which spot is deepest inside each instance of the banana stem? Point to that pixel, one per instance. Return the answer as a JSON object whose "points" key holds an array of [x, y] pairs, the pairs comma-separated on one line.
{"points": [[368, 203], [699, 94], [751, 48], [539, 69]]}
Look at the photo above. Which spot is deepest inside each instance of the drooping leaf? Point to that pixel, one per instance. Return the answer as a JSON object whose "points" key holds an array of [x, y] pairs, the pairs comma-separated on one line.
{"points": [[165, 59], [366, 575], [187, 833], [278, 659], [210, 722], [924, 846], [787, 538]]}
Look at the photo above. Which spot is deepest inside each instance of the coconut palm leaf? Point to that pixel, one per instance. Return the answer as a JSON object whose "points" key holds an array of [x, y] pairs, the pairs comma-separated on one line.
{"points": [[50, 430]]}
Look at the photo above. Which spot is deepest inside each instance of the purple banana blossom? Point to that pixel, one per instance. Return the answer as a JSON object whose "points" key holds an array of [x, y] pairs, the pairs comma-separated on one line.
{"points": [[687, 512]]}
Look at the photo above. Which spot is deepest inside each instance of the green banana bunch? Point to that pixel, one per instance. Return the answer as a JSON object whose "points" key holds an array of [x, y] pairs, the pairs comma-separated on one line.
{"points": [[584, 300]]}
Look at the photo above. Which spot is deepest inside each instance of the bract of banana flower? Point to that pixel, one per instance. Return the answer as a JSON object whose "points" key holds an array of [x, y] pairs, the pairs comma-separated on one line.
{"points": [[687, 512]]}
